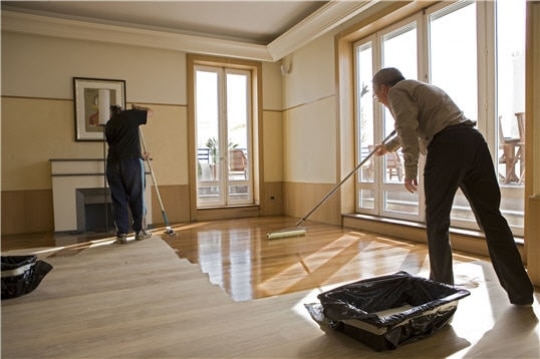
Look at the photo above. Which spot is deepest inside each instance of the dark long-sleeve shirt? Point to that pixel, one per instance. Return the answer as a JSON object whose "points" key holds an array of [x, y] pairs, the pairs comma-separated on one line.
{"points": [[122, 132]]}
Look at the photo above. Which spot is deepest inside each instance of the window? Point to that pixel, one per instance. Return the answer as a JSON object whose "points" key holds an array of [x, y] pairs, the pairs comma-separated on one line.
{"points": [[458, 37], [510, 111], [365, 130], [380, 189], [453, 67], [399, 50], [223, 136]]}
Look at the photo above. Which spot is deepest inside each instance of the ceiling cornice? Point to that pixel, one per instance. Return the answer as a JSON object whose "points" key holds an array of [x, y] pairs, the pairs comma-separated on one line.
{"points": [[323, 20], [328, 17], [82, 30]]}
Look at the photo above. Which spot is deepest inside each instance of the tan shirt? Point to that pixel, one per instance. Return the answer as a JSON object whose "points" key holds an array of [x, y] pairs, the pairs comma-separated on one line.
{"points": [[420, 111]]}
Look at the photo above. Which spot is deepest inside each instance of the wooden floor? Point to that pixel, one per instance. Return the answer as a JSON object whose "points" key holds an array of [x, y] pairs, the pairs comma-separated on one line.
{"points": [[222, 290]]}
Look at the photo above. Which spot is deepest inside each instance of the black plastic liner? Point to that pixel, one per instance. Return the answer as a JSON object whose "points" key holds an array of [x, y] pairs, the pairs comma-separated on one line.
{"points": [[22, 274], [388, 311]]}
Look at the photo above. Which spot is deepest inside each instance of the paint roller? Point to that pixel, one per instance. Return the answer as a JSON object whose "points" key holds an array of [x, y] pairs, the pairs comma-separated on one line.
{"points": [[298, 231]]}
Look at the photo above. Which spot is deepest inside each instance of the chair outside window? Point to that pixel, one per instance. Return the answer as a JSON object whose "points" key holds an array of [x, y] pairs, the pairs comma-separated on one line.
{"points": [[238, 163], [520, 154], [508, 146], [394, 166]]}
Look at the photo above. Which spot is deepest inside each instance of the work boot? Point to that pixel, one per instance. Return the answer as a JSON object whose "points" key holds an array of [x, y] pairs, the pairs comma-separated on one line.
{"points": [[142, 235], [121, 238]]}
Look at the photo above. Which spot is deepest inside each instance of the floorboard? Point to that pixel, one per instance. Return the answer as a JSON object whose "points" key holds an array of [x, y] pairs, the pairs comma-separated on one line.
{"points": [[149, 299]]}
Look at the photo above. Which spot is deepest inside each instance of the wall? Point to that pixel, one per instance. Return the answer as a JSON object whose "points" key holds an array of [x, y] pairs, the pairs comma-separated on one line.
{"points": [[38, 120], [532, 155], [310, 129]]}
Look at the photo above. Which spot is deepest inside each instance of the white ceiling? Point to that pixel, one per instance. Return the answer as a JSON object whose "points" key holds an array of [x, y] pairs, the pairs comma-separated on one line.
{"points": [[258, 22], [257, 30]]}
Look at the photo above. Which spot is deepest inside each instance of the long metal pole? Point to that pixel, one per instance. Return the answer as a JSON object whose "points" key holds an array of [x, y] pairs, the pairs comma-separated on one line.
{"points": [[168, 228], [333, 190]]}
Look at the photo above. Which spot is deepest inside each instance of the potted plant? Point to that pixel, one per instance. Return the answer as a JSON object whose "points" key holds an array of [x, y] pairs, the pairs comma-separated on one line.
{"points": [[213, 153]]}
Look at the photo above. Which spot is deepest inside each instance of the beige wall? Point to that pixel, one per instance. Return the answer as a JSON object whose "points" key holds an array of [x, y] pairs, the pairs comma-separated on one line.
{"points": [[43, 67], [38, 119], [37, 130], [310, 129]]}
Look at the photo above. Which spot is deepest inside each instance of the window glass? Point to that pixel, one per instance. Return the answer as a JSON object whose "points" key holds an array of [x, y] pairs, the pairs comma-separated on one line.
{"points": [[453, 67], [400, 51], [222, 121], [510, 39], [453, 55], [364, 121]]}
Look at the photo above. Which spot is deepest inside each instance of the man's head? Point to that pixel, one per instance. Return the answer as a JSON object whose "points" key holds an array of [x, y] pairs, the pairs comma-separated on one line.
{"points": [[115, 110], [383, 80]]}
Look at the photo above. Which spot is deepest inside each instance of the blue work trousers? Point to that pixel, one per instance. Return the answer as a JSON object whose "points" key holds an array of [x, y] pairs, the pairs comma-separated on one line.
{"points": [[127, 183]]}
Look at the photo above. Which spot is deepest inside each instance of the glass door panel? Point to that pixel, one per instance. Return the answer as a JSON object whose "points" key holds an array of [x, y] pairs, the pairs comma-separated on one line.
{"points": [[209, 191], [238, 110], [399, 48], [222, 118], [510, 39], [453, 64], [365, 128]]}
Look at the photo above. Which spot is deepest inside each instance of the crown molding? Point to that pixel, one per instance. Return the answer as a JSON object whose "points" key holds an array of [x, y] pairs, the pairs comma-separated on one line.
{"points": [[323, 20], [328, 17], [82, 30]]}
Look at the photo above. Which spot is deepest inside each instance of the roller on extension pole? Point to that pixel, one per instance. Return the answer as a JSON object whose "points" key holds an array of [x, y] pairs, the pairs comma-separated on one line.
{"points": [[168, 228], [299, 231]]}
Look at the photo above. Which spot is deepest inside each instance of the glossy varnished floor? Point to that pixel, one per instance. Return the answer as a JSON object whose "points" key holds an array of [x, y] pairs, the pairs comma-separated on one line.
{"points": [[144, 300], [237, 256]]}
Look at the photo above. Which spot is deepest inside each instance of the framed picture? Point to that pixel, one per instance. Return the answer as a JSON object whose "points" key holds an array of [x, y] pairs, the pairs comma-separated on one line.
{"points": [[93, 98]]}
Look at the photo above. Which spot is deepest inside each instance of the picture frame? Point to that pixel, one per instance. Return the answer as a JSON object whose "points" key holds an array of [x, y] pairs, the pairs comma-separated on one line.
{"points": [[91, 94]]}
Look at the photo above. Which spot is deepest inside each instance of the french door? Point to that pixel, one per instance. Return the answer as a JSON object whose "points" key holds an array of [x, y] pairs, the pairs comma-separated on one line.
{"points": [[475, 52], [223, 140], [380, 183]]}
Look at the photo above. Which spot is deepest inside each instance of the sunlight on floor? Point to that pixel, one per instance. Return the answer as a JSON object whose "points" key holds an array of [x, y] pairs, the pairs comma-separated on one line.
{"points": [[482, 319]]}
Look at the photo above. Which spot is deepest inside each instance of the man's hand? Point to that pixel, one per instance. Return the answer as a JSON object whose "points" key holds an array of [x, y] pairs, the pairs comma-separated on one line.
{"points": [[149, 111], [411, 184], [380, 150]]}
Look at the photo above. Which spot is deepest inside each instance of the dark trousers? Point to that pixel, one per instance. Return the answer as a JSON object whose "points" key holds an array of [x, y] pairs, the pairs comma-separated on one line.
{"points": [[458, 157], [127, 182]]}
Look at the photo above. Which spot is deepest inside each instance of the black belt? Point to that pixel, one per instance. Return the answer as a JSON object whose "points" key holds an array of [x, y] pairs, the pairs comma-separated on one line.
{"points": [[455, 127]]}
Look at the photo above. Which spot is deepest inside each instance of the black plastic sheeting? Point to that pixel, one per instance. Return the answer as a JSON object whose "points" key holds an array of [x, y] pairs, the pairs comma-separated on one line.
{"points": [[389, 311], [22, 274]]}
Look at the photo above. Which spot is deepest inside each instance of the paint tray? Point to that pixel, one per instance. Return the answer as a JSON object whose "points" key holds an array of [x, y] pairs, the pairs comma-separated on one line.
{"points": [[22, 274], [389, 311]]}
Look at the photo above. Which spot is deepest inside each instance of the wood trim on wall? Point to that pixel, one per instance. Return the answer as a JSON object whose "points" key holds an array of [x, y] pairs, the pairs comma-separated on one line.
{"points": [[175, 203], [27, 211], [272, 199], [301, 198], [532, 146], [462, 240]]}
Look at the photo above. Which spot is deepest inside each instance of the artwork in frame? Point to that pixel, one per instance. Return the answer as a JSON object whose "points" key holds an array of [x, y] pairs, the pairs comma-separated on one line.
{"points": [[90, 96]]}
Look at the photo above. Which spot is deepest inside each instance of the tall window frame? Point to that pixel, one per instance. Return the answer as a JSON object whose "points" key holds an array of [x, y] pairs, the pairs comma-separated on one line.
{"points": [[486, 80], [223, 136], [379, 186], [251, 175]]}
